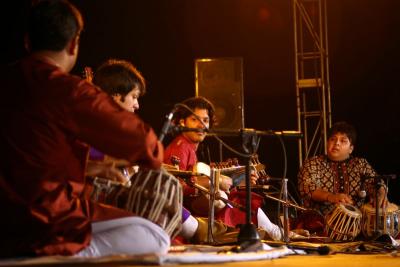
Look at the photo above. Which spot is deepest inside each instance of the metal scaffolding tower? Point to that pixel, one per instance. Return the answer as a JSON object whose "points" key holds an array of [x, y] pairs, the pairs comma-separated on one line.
{"points": [[312, 76]]}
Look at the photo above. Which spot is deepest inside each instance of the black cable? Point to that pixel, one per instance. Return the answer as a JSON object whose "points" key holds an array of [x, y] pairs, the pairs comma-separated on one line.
{"points": [[234, 150]]}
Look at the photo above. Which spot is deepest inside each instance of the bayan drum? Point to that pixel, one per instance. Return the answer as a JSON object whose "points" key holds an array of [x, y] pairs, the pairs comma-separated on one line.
{"points": [[388, 220], [153, 194], [344, 222]]}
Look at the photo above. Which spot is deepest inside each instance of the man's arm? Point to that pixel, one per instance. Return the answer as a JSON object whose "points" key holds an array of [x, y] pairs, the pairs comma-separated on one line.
{"points": [[100, 122]]}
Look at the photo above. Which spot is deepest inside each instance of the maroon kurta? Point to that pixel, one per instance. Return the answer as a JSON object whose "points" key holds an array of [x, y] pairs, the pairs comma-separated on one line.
{"points": [[46, 117], [185, 150], [182, 148]]}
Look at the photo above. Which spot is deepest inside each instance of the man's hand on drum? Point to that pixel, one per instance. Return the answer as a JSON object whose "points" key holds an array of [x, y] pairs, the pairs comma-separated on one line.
{"points": [[105, 170], [324, 196], [339, 198]]}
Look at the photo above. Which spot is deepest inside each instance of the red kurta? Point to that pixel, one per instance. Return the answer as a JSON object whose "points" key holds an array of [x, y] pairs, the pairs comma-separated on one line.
{"points": [[46, 116], [185, 150]]}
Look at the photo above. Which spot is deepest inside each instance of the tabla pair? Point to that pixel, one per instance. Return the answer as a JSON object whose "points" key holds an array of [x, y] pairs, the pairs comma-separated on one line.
{"points": [[346, 221]]}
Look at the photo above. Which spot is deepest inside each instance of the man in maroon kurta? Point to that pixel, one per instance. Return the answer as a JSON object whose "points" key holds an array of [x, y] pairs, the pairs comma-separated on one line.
{"points": [[47, 117], [199, 114]]}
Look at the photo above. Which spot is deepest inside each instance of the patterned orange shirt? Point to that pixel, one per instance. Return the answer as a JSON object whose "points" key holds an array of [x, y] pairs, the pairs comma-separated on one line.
{"points": [[336, 177]]}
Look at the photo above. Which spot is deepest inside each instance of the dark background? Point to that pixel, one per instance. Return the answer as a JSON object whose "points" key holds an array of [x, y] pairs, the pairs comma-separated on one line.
{"points": [[163, 37]]}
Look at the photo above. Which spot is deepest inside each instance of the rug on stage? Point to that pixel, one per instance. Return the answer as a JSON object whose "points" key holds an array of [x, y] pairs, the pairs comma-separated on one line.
{"points": [[178, 254], [192, 254]]}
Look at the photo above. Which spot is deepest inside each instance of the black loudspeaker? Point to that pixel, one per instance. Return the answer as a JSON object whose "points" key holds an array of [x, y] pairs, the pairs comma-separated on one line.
{"points": [[220, 80]]}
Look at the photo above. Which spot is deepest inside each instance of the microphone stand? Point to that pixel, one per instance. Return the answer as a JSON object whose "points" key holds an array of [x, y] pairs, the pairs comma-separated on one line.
{"points": [[227, 132], [377, 229], [378, 233], [248, 233], [286, 227], [250, 140], [211, 208]]}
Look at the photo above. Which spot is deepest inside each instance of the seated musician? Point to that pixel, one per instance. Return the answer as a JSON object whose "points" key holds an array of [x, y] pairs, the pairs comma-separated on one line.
{"points": [[327, 180], [121, 80], [125, 84], [184, 146], [47, 117]]}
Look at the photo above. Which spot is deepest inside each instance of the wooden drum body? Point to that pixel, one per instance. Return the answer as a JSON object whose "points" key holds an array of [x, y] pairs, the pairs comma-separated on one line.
{"points": [[344, 222], [153, 194], [388, 220]]}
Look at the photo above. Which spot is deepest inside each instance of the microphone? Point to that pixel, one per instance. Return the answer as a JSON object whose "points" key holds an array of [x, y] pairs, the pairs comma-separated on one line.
{"points": [[167, 125], [362, 193], [378, 179], [321, 250], [294, 134]]}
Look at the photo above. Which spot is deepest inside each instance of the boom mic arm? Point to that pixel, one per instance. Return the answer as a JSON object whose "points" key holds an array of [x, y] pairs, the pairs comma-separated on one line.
{"points": [[177, 129]]}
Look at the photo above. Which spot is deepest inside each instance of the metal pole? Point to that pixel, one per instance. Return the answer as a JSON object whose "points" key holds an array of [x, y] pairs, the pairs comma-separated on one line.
{"points": [[285, 212], [210, 238]]}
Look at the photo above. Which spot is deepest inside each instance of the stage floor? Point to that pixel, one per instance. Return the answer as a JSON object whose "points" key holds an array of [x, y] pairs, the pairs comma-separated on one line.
{"points": [[386, 258], [354, 260]]}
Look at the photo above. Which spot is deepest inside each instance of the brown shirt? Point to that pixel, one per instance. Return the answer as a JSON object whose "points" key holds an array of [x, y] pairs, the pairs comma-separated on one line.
{"points": [[332, 176]]}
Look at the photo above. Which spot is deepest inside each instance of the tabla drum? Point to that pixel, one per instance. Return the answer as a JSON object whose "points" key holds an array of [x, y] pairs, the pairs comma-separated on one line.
{"points": [[344, 222], [103, 190], [157, 196], [153, 194], [388, 220]]}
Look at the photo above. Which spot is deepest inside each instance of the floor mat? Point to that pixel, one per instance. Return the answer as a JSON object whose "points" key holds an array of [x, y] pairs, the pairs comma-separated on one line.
{"points": [[178, 254]]}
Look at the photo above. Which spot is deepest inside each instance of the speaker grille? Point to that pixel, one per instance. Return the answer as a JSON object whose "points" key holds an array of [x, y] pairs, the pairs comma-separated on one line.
{"points": [[221, 81]]}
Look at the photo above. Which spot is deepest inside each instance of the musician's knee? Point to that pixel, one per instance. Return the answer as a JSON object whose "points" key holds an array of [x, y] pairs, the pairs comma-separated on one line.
{"points": [[130, 235]]}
